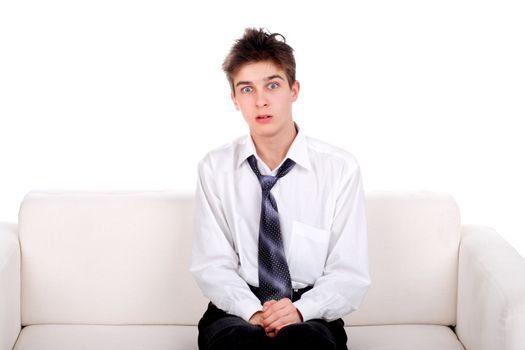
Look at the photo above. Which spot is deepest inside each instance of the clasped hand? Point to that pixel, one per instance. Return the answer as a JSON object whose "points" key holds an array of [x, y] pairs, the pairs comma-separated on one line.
{"points": [[276, 315]]}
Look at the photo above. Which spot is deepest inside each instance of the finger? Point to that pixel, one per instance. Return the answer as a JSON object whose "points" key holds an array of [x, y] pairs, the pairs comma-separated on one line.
{"points": [[271, 334], [280, 323], [278, 329], [282, 304], [273, 306], [277, 311], [270, 317], [282, 317], [268, 304], [276, 318]]}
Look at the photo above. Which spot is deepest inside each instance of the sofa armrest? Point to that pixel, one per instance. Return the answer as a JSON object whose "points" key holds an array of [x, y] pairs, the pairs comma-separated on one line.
{"points": [[9, 286], [491, 292]]}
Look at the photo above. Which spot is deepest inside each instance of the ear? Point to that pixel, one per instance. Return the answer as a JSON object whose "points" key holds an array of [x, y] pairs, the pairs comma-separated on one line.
{"points": [[295, 90], [234, 100]]}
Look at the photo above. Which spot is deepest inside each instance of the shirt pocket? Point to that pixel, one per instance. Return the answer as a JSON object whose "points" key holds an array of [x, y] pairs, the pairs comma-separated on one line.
{"points": [[308, 252]]}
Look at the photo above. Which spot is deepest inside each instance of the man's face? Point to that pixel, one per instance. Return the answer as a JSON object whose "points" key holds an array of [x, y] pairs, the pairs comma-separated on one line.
{"points": [[264, 97]]}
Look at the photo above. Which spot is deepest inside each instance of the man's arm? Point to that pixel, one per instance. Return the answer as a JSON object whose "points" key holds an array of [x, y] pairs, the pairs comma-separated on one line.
{"points": [[345, 279], [214, 261]]}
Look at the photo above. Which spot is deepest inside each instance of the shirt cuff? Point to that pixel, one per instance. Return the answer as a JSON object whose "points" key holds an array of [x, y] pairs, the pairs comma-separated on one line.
{"points": [[246, 308], [308, 309]]}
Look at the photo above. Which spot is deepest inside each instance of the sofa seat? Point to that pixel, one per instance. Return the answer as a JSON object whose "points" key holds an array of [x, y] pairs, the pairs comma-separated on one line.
{"points": [[402, 337], [168, 337], [107, 337]]}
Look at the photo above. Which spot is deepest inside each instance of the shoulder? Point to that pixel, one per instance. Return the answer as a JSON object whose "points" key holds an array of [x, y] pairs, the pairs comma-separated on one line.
{"points": [[224, 157], [325, 154]]}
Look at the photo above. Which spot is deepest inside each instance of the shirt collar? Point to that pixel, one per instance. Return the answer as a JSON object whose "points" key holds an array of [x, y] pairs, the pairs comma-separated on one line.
{"points": [[298, 151]]}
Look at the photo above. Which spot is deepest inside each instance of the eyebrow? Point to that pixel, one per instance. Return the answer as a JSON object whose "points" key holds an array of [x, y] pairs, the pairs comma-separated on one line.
{"points": [[275, 76]]}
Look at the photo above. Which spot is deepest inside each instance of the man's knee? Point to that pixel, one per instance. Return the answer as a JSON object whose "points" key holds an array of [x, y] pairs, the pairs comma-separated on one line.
{"points": [[235, 337], [306, 335]]}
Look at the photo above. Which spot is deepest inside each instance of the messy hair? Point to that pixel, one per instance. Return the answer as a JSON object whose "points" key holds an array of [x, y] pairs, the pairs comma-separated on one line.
{"points": [[259, 45]]}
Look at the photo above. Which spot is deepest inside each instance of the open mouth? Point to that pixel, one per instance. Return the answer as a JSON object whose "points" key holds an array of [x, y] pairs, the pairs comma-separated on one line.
{"points": [[263, 117]]}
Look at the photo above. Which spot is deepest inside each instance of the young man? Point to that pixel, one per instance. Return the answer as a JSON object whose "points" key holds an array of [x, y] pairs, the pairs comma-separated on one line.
{"points": [[280, 240]]}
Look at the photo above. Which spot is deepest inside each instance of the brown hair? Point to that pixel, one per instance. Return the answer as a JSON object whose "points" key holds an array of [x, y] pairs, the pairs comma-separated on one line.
{"points": [[259, 45]]}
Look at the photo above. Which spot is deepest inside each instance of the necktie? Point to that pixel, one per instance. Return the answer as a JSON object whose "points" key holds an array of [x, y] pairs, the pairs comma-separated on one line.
{"points": [[274, 277]]}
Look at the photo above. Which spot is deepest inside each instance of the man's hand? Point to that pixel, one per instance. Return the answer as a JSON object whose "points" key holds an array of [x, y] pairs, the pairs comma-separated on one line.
{"points": [[278, 314], [256, 319]]}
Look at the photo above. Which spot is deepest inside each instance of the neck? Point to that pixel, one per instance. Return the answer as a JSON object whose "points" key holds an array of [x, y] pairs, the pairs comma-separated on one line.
{"points": [[272, 149]]}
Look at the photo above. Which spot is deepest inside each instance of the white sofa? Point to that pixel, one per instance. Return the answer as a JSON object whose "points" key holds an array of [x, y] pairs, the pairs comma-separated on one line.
{"points": [[85, 270]]}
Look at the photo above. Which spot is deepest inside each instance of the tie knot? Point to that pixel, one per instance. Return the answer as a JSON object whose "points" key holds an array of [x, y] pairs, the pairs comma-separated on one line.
{"points": [[267, 182]]}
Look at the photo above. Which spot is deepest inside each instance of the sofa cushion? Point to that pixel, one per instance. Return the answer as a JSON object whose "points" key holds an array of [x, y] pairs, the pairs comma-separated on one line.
{"points": [[107, 337], [413, 256], [402, 337], [107, 258]]}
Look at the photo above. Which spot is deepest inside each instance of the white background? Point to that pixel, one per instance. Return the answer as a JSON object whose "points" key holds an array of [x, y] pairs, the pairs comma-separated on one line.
{"points": [[127, 95]]}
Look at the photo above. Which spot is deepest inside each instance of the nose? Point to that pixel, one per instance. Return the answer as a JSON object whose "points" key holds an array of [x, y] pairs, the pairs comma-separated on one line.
{"points": [[261, 100]]}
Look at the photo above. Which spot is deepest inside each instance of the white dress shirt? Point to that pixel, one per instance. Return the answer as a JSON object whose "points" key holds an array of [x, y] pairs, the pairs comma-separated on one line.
{"points": [[323, 227]]}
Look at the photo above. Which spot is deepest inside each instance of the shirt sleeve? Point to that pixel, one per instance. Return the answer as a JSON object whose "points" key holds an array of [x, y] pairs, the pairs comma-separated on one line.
{"points": [[214, 262], [345, 279]]}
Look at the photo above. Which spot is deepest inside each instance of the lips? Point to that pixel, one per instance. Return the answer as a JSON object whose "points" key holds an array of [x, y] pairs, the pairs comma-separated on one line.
{"points": [[263, 119]]}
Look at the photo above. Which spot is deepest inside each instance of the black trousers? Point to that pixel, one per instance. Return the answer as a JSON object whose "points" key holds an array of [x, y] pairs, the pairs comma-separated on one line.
{"points": [[219, 330]]}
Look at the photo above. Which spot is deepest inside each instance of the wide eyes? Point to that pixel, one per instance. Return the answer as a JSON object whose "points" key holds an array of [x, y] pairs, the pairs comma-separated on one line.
{"points": [[270, 86]]}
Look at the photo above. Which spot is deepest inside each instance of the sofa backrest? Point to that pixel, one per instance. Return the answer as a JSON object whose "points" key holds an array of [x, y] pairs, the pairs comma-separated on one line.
{"points": [[122, 258], [107, 258], [413, 258]]}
